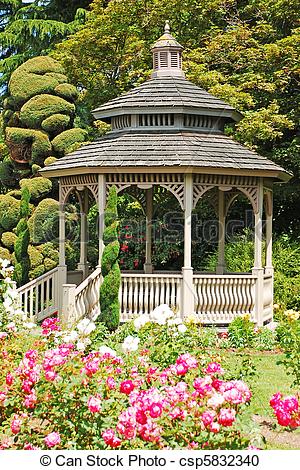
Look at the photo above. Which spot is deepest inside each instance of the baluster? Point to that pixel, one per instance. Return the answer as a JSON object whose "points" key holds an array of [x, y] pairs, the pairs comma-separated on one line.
{"points": [[124, 298], [178, 294], [36, 300], [25, 307], [168, 291], [173, 295], [31, 304], [157, 292], [130, 297], [162, 291], [47, 302], [235, 298], [135, 296], [151, 295], [141, 300], [146, 296]]}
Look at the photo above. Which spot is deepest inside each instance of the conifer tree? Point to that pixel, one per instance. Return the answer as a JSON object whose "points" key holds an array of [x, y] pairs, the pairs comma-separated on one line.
{"points": [[109, 290], [22, 266], [29, 29]]}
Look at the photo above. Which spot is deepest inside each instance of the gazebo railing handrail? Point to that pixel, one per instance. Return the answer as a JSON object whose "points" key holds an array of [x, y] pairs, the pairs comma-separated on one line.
{"points": [[224, 276], [36, 281], [87, 281], [154, 275]]}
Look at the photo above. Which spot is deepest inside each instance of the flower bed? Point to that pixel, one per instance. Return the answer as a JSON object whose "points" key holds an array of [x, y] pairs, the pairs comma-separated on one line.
{"points": [[54, 396]]}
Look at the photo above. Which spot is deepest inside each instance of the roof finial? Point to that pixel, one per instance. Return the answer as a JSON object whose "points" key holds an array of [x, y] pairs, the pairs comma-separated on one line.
{"points": [[167, 27]]}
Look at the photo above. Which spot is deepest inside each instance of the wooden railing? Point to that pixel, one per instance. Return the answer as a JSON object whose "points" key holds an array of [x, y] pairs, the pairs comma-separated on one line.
{"points": [[220, 298], [39, 298], [86, 302], [141, 293]]}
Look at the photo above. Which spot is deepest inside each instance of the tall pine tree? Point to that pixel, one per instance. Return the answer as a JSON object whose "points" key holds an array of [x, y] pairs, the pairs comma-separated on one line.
{"points": [[29, 29]]}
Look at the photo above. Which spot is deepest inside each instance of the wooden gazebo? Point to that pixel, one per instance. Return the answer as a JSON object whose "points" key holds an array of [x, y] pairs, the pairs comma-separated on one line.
{"points": [[169, 133]]}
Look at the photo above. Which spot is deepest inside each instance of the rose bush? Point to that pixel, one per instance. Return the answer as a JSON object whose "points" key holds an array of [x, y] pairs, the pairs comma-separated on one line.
{"points": [[54, 396]]}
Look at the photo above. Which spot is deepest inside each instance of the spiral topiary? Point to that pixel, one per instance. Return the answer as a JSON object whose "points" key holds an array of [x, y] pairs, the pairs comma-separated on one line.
{"points": [[22, 266], [109, 290]]}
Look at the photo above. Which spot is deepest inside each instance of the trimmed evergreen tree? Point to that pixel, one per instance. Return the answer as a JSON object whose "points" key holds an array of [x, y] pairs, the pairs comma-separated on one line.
{"points": [[28, 29], [109, 290], [22, 265]]}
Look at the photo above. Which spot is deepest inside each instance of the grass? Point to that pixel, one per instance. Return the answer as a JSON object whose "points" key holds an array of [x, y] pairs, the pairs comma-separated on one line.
{"points": [[265, 377]]}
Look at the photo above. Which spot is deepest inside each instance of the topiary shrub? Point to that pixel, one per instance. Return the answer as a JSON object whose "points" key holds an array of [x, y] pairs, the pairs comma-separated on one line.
{"points": [[56, 123], [67, 91], [43, 74], [22, 266], [38, 187], [37, 272], [5, 254], [40, 107], [50, 160], [35, 256], [43, 224], [109, 290], [8, 240], [62, 144], [9, 212], [27, 144]]}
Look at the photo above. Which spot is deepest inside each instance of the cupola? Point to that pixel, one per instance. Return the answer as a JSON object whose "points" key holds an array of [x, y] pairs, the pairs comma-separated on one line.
{"points": [[167, 56]]}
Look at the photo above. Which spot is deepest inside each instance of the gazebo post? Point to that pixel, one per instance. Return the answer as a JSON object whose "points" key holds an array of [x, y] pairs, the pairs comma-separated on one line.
{"points": [[62, 267], [258, 270], [84, 207], [221, 235], [269, 238], [148, 267], [188, 300], [101, 210]]}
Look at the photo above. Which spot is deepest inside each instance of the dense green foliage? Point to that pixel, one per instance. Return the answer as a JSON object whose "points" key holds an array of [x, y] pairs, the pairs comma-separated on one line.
{"points": [[109, 290], [31, 28], [289, 335], [22, 265]]}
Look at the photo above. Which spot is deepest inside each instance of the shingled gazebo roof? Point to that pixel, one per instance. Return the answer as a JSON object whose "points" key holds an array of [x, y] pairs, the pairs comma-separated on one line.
{"points": [[166, 122], [175, 94]]}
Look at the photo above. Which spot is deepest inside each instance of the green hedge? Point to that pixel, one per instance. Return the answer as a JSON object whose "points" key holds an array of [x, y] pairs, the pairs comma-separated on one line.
{"points": [[40, 107], [63, 143], [39, 187]]}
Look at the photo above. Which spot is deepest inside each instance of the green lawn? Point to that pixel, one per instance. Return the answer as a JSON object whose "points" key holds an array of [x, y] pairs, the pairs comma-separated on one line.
{"points": [[269, 378]]}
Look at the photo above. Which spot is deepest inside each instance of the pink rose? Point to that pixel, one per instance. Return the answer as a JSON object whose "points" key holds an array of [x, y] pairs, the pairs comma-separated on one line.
{"points": [[155, 410], [111, 383], [226, 416], [126, 386], [16, 424], [110, 438], [3, 335], [9, 379], [214, 368], [53, 439], [94, 404]]}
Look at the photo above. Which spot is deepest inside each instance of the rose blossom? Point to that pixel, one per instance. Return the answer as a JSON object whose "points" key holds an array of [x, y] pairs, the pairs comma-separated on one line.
{"points": [[226, 416], [16, 424], [53, 439], [110, 438], [94, 404], [126, 386], [155, 410]]}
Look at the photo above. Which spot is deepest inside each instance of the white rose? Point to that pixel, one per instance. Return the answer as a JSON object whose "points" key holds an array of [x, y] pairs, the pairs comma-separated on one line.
{"points": [[86, 326], [106, 350], [141, 321], [181, 328], [130, 344], [80, 345], [29, 325], [161, 314]]}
